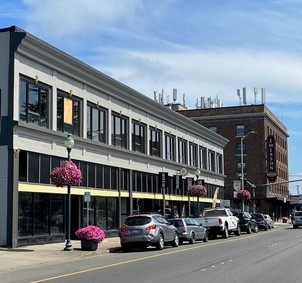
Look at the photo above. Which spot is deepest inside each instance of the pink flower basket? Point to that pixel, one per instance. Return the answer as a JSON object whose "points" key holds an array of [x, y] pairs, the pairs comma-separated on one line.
{"points": [[197, 191], [244, 195], [91, 232], [66, 174]]}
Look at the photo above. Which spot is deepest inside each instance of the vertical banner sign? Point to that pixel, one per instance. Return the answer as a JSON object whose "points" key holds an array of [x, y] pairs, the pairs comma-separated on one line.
{"points": [[271, 159], [67, 111], [164, 182], [177, 183], [189, 182]]}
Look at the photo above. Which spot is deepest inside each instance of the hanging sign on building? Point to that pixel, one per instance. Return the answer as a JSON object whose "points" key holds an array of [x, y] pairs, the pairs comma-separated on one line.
{"points": [[271, 159], [68, 111]]}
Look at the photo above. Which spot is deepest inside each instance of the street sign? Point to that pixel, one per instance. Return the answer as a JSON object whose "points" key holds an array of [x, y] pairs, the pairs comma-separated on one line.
{"points": [[87, 196], [237, 185]]}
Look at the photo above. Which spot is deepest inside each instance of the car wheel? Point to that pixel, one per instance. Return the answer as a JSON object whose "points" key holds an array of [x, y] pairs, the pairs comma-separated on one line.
{"points": [[249, 229], [175, 242], [192, 239], [265, 228], [225, 232], [238, 231], [256, 229], [160, 244], [206, 237], [181, 242], [125, 247]]}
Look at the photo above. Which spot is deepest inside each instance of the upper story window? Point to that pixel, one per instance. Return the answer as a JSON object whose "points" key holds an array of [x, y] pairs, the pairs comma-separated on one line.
{"points": [[69, 113], [213, 129], [119, 130], [212, 161], [96, 123], [155, 142], [182, 151], [138, 137], [193, 154], [238, 148], [169, 146], [240, 130], [219, 163], [34, 103], [203, 157]]}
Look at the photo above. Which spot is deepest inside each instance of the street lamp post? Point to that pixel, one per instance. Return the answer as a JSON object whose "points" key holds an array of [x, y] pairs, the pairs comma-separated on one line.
{"points": [[197, 173], [69, 143], [242, 172]]}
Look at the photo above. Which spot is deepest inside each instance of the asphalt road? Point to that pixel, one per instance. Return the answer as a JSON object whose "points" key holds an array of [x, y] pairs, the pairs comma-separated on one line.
{"points": [[267, 256]]}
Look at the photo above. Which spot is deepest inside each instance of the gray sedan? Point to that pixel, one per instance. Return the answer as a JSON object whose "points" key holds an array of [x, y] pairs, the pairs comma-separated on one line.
{"points": [[189, 230]]}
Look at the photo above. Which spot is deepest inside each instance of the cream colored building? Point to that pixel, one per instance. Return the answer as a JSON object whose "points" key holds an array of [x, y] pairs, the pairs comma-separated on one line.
{"points": [[124, 142]]}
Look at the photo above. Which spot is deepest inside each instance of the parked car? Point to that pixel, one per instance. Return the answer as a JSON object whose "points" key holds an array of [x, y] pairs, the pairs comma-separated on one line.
{"points": [[297, 219], [189, 230], [269, 221], [260, 220], [246, 222], [143, 230]]}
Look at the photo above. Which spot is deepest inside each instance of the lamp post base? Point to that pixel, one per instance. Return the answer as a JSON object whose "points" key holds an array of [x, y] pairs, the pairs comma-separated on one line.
{"points": [[68, 246]]}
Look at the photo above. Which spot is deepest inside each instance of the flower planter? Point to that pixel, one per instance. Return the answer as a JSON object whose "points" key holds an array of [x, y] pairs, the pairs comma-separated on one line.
{"points": [[89, 245]]}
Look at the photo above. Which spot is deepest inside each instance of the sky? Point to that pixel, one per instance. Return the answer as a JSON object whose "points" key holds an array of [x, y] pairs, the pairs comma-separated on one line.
{"points": [[202, 48]]}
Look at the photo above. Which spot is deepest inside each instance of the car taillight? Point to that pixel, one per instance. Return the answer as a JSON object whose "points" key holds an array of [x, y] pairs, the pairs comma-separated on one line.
{"points": [[151, 227], [185, 229], [122, 229], [220, 221]]}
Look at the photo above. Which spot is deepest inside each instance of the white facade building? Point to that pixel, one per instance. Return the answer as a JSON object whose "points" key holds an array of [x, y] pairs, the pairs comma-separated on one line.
{"points": [[124, 141]]}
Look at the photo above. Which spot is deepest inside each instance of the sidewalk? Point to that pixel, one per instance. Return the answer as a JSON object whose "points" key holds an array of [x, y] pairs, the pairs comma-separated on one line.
{"points": [[38, 254]]}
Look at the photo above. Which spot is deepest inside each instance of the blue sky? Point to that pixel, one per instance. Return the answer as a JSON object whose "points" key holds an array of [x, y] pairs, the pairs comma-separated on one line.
{"points": [[203, 48]]}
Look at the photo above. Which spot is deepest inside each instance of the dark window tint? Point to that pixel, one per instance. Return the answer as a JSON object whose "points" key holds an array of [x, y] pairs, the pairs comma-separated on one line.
{"points": [[137, 221], [177, 223]]}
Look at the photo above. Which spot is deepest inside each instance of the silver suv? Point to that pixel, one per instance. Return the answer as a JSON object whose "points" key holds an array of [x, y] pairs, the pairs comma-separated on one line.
{"points": [[143, 230]]}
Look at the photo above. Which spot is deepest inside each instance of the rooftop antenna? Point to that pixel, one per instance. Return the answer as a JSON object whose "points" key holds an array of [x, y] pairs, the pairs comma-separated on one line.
{"points": [[184, 100], [174, 95], [255, 94], [155, 96], [263, 95], [238, 93], [244, 95]]}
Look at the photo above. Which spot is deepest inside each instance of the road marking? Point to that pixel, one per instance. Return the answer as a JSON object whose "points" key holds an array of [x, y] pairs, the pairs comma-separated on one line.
{"points": [[224, 241]]}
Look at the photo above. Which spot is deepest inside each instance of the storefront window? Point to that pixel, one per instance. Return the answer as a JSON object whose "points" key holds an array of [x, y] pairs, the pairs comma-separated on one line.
{"points": [[25, 215], [57, 214], [41, 214]]}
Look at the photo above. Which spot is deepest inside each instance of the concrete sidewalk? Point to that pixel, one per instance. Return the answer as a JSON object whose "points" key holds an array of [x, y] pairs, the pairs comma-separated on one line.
{"points": [[39, 254]]}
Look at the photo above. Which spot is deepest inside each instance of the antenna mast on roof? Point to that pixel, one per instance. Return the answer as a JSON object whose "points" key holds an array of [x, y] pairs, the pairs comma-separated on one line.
{"points": [[238, 93], [255, 94]]}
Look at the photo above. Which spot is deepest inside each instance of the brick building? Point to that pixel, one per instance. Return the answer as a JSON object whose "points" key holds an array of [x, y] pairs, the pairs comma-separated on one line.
{"points": [[263, 139]]}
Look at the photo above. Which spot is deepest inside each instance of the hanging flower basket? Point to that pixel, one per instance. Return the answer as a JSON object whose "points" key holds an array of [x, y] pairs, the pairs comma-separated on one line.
{"points": [[197, 191], [66, 174], [244, 195]]}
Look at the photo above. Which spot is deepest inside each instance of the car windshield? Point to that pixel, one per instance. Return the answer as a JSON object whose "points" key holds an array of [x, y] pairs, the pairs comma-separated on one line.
{"points": [[298, 213], [137, 220], [258, 216]]}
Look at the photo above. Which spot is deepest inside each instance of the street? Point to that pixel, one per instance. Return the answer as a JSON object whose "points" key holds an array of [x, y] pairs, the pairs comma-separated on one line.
{"points": [[267, 256]]}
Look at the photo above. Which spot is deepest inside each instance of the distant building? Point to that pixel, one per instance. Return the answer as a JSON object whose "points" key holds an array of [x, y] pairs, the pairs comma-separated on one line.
{"points": [[265, 153]]}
